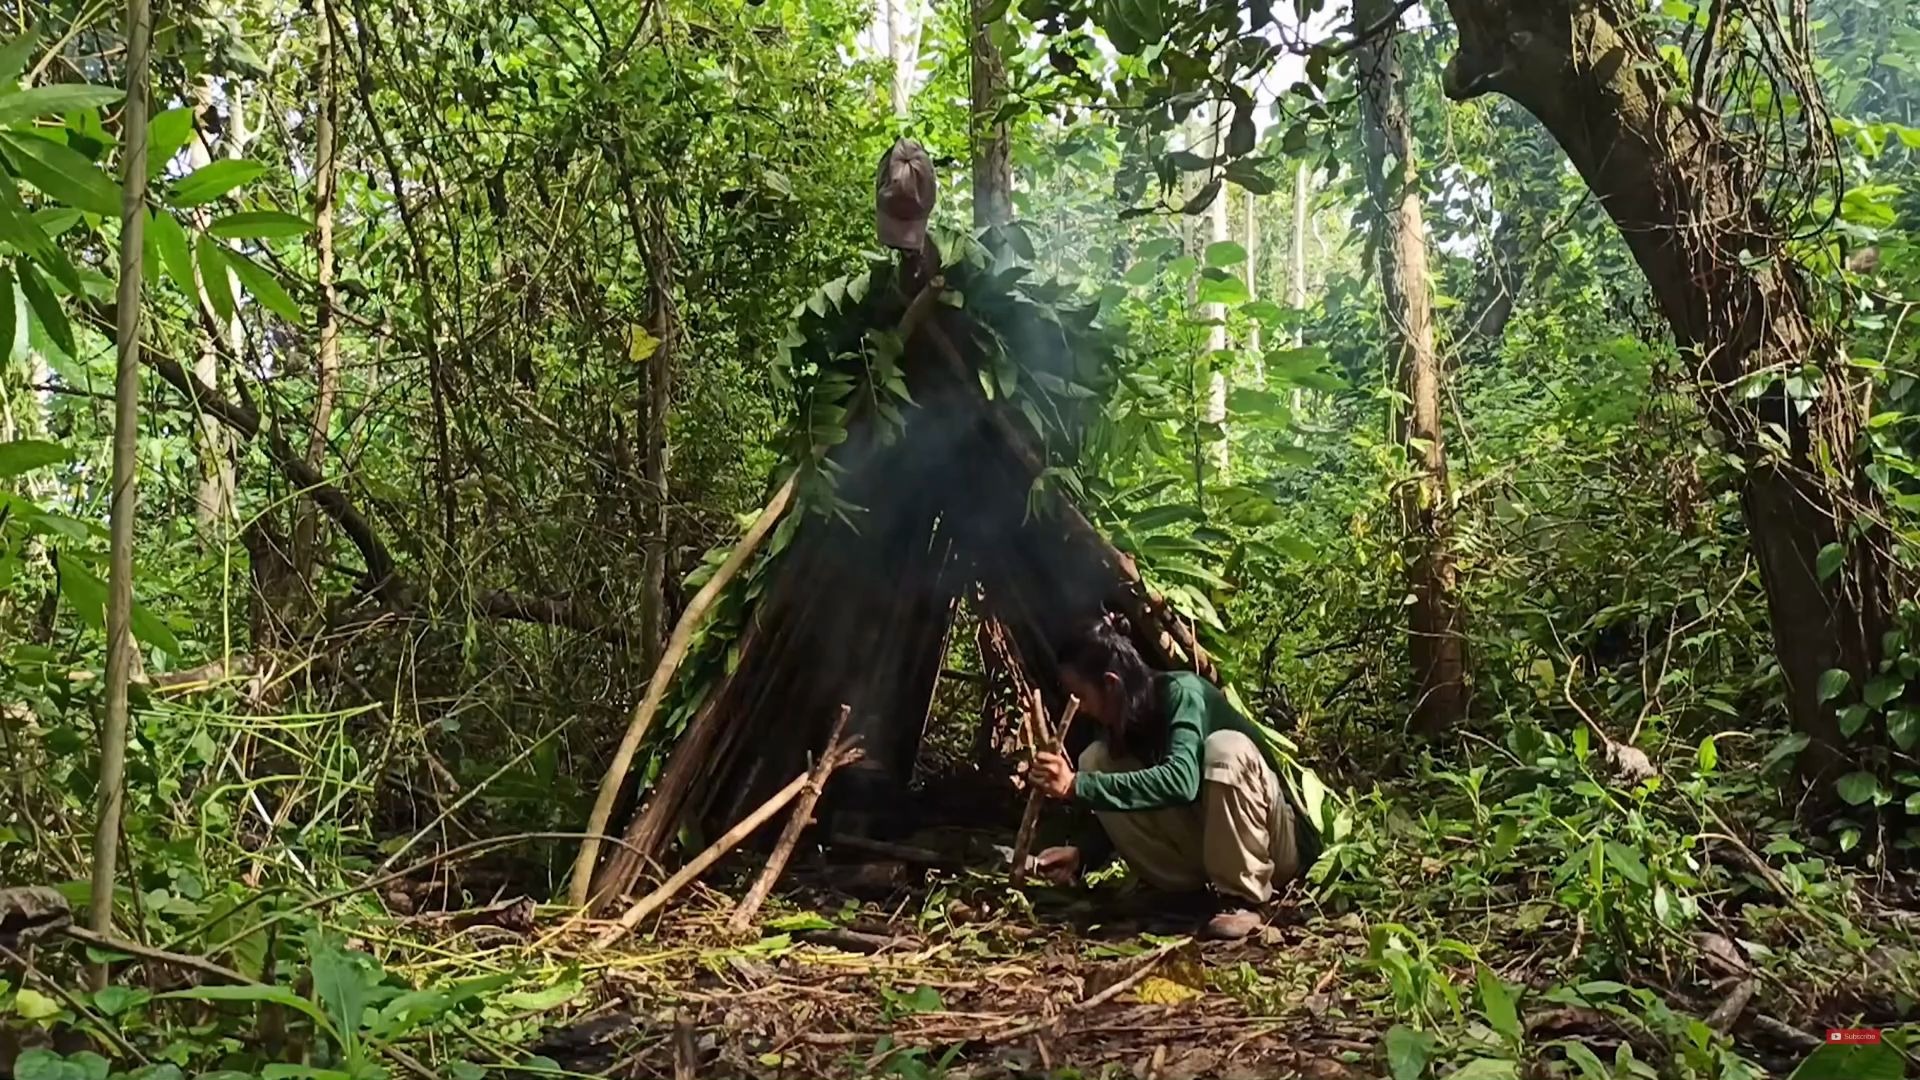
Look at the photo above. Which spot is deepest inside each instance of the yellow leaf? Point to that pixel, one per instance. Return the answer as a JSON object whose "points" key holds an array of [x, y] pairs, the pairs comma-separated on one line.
{"points": [[641, 345], [34, 1005], [1159, 991]]}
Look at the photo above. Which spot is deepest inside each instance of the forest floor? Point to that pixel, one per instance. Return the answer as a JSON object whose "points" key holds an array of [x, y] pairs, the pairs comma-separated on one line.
{"points": [[950, 974], [881, 968]]}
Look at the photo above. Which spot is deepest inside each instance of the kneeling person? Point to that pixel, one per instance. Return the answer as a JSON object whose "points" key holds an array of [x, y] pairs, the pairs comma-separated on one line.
{"points": [[1179, 783]]}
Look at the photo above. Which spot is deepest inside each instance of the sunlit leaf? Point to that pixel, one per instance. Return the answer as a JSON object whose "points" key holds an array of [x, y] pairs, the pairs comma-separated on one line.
{"points": [[214, 179], [62, 173]]}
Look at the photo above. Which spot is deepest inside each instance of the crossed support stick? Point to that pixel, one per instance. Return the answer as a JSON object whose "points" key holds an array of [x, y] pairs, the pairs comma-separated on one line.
{"points": [[1057, 740], [806, 787]]}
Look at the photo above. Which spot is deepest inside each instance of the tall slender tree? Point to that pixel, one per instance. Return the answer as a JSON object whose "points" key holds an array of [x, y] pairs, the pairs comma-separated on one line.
{"points": [[326, 359], [126, 465], [1435, 643]]}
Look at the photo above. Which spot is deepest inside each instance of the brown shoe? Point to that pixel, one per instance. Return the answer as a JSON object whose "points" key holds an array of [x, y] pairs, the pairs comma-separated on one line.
{"points": [[1232, 923]]}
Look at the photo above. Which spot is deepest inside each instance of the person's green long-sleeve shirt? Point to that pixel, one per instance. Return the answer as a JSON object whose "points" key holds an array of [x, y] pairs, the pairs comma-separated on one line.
{"points": [[1195, 709]]}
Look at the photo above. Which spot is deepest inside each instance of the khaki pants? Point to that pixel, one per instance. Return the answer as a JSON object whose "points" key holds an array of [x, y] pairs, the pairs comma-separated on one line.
{"points": [[1238, 837]]}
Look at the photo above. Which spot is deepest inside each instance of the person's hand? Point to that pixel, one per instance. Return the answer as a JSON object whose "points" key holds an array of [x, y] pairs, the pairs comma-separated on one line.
{"points": [[1060, 865], [1052, 776]]}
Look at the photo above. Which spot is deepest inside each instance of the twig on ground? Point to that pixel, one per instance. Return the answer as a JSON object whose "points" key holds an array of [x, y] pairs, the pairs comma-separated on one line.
{"points": [[1119, 987], [797, 823]]}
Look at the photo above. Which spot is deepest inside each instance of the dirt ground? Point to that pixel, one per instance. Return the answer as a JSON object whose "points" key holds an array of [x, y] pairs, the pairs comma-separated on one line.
{"points": [[881, 968]]}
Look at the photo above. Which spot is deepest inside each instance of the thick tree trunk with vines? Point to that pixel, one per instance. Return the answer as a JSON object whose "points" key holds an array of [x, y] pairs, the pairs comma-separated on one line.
{"points": [[992, 155], [1436, 643], [1667, 175]]}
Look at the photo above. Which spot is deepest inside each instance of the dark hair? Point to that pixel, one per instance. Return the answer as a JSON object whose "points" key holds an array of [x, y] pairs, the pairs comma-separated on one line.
{"points": [[1104, 648]]}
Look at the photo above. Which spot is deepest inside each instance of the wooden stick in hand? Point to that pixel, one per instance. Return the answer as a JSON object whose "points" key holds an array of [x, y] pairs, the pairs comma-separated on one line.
{"points": [[1030, 819]]}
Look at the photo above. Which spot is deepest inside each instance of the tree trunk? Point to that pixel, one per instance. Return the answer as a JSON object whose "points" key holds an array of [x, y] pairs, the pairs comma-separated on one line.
{"points": [[1252, 242], [1436, 643], [663, 324], [1297, 276], [1667, 175], [903, 50], [326, 364], [213, 496], [126, 443], [992, 156]]}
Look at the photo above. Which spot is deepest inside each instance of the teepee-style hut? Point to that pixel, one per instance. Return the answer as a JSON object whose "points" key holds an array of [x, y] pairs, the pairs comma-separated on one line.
{"points": [[938, 401]]}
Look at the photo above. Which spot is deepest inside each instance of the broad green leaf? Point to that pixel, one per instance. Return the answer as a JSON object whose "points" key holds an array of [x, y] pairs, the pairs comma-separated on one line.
{"points": [[263, 286], [1853, 718], [339, 984], [302, 1072], [1159, 248], [1903, 727], [272, 995], [1504, 839], [1627, 861], [214, 179], [43, 1064], [1485, 1069], [1882, 689], [260, 225], [1586, 1060], [86, 593], [114, 1000], [62, 172], [1709, 754], [1241, 133], [213, 275], [1225, 253], [1833, 683], [1860, 788], [54, 100], [170, 242], [46, 308], [1852, 1061], [1786, 748], [31, 1004], [1248, 177], [167, 132], [24, 455], [1408, 1052], [1496, 1001], [1829, 561], [149, 628], [14, 56], [1156, 517], [1221, 290]]}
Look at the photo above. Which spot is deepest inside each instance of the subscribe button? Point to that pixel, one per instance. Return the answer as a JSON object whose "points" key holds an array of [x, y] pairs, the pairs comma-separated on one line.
{"points": [[1853, 1035]]}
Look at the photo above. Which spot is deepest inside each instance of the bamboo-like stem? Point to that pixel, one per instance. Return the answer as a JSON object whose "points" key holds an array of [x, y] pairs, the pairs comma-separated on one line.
{"points": [[1030, 819], [126, 418], [649, 705], [749, 905]]}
